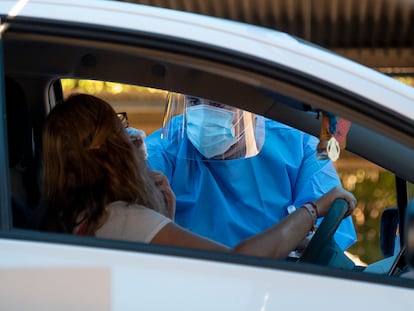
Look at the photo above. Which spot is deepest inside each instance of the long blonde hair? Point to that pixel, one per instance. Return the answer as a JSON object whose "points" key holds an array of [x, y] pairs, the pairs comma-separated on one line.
{"points": [[89, 162]]}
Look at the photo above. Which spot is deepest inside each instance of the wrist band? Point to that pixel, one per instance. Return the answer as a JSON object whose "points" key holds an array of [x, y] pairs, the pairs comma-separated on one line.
{"points": [[314, 207], [312, 211]]}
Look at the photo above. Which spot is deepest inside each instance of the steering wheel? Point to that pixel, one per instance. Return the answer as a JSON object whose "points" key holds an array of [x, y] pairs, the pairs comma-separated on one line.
{"points": [[322, 248]]}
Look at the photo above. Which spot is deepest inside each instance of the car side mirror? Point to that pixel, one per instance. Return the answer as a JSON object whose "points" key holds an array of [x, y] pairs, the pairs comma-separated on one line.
{"points": [[409, 234], [388, 231]]}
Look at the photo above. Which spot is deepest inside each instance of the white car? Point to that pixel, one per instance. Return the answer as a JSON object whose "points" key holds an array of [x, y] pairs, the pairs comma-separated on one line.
{"points": [[45, 42]]}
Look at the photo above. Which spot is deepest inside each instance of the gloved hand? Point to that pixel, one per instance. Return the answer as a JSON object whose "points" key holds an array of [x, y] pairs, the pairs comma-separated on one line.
{"points": [[137, 137], [162, 183]]}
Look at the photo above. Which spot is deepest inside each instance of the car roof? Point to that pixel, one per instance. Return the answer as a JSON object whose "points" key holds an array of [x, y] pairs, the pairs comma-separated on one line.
{"points": [[261, 43]]}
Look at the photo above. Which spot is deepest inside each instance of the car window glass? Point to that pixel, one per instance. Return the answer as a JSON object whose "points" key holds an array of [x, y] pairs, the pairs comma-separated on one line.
{"points": [[374, 187], [410, 191]]}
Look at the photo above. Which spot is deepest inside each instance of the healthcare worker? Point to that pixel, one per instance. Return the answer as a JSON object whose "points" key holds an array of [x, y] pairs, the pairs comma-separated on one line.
{"points": [[235, 173]]}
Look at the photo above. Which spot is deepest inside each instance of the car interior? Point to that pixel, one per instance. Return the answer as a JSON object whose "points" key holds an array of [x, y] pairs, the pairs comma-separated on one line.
{"points": [[34, 85]]}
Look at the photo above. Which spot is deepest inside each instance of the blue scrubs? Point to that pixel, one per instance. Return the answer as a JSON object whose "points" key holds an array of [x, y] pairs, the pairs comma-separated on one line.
{"points": [[231, 200]]}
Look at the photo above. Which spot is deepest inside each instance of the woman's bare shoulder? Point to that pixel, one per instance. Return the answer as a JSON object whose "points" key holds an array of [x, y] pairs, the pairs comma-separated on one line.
{"points": [[132, 222]]}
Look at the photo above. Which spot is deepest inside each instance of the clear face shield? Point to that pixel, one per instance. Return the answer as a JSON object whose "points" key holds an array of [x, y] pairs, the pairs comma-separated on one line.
{"points": [[215, 130]]}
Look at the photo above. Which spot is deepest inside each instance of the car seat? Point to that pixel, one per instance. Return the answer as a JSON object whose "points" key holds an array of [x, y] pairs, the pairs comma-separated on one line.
{"points": [[24, 189]]}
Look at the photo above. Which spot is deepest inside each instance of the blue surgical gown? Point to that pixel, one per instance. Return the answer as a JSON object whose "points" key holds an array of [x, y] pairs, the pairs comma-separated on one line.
{"points": [[231, 200]]}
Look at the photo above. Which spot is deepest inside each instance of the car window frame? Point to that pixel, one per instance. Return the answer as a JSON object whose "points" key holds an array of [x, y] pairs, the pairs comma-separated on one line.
{"points": [[5, 201]]}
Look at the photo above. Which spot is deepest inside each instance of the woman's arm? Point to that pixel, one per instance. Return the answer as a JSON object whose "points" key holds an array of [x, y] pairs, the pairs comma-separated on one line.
{"points": [[276, 242]]}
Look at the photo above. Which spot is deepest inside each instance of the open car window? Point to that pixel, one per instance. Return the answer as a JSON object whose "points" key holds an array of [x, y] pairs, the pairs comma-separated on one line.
{"points": [[373, 186]]}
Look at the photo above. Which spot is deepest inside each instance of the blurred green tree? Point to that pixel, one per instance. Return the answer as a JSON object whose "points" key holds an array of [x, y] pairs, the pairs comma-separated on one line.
{"points": [[375, 191]]}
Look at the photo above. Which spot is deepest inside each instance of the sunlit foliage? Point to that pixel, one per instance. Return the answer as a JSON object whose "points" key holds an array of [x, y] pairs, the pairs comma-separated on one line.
{"points": [[406, 79], [97, 87], [375, 191]]}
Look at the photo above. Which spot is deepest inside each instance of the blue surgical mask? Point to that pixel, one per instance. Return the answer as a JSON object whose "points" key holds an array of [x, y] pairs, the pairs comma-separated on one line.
{"points": [[210, 129]]}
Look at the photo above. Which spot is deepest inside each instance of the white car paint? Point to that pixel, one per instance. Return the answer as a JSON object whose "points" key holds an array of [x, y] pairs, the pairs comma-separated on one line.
{"points": [[260, 42], [35, 275]]}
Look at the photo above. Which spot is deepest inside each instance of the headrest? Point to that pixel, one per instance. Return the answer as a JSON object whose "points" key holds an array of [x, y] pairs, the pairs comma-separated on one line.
{"points": [[17, 121]]}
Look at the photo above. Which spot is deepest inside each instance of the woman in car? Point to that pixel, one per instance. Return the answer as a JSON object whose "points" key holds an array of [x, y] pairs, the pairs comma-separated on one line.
{"points": [[96, 182]]}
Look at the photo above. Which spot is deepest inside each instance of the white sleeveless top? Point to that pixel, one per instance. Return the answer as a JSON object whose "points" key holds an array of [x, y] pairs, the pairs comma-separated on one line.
{"points": [[131, 222]]}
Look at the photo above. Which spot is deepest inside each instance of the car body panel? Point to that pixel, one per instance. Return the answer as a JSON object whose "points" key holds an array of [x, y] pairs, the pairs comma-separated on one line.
{"points": [[153, 282]]}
